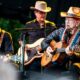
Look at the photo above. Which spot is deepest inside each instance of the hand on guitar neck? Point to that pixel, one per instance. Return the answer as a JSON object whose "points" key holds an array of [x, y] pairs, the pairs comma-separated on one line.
{"points": [[68, 51]]}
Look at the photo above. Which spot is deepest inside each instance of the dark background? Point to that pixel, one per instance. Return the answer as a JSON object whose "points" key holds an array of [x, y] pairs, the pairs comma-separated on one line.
{"points": [[19, 9], [15, 13]]}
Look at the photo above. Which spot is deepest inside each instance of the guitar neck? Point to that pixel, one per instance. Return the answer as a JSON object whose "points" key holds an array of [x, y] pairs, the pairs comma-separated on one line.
{"points": [[60, 50]]}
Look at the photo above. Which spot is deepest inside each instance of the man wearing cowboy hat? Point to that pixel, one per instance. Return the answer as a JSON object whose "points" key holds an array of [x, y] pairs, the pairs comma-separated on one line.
{"points": [[40, 27], [70, 35], [40, 23]]}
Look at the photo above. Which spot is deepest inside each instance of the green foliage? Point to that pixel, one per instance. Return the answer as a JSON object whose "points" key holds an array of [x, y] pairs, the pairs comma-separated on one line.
{"points": [[10, 25]]}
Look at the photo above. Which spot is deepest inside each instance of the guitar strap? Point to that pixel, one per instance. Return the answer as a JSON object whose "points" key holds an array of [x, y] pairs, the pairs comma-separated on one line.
{"points": [[62, 39], [70, 41], [72, 38], [75, 36], [1, 36]]}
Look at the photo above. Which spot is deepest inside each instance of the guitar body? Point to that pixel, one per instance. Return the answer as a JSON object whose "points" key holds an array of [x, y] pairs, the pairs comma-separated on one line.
{"points": [[55, 57], [31, 58], [33, 52], [46, 59], [52, 56], [59, 58]]}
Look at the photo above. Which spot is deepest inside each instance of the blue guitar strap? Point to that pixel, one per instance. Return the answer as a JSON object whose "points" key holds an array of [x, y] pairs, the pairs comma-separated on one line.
{"points": [[75, 39]]}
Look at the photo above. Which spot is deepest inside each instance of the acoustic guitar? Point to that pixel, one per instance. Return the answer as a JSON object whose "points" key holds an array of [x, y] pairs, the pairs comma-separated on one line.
{"points": [[32, 53], [54, 55]]}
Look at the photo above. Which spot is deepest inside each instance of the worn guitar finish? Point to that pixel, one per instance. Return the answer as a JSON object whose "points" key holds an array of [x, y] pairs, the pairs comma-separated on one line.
{"points": [[54, 55]]}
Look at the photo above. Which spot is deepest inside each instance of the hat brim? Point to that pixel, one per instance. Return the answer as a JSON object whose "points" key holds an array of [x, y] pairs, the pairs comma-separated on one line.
{"points": [[65, 14], [48, 9]]}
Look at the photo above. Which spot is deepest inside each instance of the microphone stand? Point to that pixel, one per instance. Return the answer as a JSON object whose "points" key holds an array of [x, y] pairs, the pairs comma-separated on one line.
{"points": [[22, 54]]}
